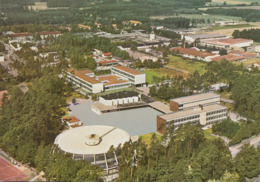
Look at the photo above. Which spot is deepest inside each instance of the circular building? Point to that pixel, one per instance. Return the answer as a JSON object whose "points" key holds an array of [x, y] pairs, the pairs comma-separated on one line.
{"points": [[92, 144]]}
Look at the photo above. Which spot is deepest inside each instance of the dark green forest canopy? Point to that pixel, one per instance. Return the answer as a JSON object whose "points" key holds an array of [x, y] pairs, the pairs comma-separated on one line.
{"points": [[253, 34], [249, 15], [109, 9]]}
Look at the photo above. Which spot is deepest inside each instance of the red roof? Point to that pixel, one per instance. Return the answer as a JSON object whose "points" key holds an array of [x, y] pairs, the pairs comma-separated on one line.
{"points": [[21, 34], [71, 119], [228, 58], [128, 70], [107, 54], [49, 33], [83, 76], [192, 52], [103, 63], [234, 41], [111, 80], [240, 53]]}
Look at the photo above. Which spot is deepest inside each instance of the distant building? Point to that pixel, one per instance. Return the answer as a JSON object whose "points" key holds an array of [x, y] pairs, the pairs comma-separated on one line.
{"points": [[229, 57], [21, 37], [193, 53], [204, 115], [224, 23], [218, 86], [192, 38], [188, 102], [45, 35], [227, 43], [244, 54], [137, 78], [134, 22], [84, 26]]}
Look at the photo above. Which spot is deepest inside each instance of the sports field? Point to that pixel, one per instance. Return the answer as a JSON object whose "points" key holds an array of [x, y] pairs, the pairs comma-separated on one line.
{"points": [[8, 172]]}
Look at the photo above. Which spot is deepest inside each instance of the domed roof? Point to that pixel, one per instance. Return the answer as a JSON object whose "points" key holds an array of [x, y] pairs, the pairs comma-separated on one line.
{"points": [[87, 140]]}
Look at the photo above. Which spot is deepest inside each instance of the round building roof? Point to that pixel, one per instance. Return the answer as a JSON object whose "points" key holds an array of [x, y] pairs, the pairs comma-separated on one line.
{"points": [[91, 139]]}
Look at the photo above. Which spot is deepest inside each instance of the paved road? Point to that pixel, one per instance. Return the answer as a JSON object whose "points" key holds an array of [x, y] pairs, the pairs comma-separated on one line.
{"points": [[237, 148]]}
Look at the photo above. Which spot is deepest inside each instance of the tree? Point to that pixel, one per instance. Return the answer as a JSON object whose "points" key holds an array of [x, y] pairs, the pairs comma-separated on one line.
{"points": [[223, 52], [74, 100]]}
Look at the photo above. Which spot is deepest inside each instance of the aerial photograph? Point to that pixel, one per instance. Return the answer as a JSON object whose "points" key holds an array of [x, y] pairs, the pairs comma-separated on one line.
{"points": [[130, 90]]}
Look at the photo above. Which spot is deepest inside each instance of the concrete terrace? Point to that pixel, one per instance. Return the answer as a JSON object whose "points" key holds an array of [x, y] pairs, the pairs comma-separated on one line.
{"points": [[135, 121]]}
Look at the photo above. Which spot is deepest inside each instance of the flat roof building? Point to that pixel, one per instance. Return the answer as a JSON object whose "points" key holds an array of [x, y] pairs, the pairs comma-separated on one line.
{"points": [[192, 38], [111, 82], [92, 144], [134, 76], [227, 43], [204, 115], [84, 79], [188, 102]]}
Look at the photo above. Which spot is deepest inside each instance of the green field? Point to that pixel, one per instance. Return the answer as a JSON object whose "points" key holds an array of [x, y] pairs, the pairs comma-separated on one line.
{"points": [[160, 72], [207, 134], [187, 64], [230, 27]]}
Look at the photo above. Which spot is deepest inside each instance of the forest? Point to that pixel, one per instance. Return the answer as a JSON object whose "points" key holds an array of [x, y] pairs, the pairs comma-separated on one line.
{"points": [[253, 34], [249, 15]]}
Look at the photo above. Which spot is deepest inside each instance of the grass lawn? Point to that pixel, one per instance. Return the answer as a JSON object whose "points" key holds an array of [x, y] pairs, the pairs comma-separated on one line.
{"points": [[147, 138], [230, 27], [187, 64], [248, 62], [207, 134], [160, 72], [76, 95]]}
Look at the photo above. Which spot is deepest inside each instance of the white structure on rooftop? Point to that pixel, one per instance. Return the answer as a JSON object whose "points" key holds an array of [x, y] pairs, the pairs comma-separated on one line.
{"points": [[92, 144]]}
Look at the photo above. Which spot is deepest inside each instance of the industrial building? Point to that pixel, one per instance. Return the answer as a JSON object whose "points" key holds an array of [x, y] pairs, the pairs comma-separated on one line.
{"points": [[92, 144], [204, 115], [227, 43], [188, 102], [192, 38]]}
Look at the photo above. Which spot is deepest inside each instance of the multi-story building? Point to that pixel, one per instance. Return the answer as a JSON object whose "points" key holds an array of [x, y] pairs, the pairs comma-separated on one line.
{"points": [[188, 102], [20, 37], [85, 80], [45, 35], [205, 115], [136, 78], [94, 84]]}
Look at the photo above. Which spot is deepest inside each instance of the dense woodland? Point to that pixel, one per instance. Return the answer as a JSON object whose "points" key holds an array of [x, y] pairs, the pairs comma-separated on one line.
{"points": [[249, 15], [187, 156], [253, 34]]}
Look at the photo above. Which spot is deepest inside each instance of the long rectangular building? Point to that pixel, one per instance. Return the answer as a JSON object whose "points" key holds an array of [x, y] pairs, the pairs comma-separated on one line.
{"points": [[136, 78], [85, 80], [204, 115], [188, 102]]}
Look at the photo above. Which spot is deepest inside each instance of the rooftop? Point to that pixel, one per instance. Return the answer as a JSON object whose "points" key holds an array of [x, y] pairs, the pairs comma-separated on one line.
{"points": [[119, 95], [103, 63], [241, 53], [192, 52], [228, 58], [128, 70], [191, 112], [111, 80], [20, 34], [71, 119], [83, 75], [226, 41], [207, 36], [197, 97], [74, 140]]}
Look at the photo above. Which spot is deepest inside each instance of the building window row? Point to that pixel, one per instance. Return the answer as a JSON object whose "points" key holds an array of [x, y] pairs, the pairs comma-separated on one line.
{"points": [[216, 117], [216, 112], [185, 119]]}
